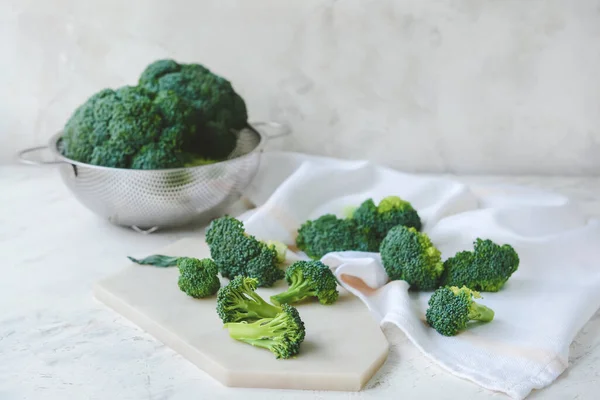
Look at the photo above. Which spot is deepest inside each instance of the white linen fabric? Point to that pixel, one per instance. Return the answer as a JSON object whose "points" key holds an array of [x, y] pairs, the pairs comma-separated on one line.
{"points": [[537, 314]]}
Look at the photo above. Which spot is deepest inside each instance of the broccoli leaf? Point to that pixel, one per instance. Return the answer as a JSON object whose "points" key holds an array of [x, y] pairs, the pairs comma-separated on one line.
{"points": [[156, 260]]}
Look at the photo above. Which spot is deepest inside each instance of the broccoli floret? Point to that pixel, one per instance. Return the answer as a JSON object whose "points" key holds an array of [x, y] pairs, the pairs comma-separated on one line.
{"points": [[282, 334], [219, 110], [198, 278], [111, 126], [131, 127], [237, 301], [237, 253], [329, 233], [308, 279], [280, 248], [179, 115], [390, 212], [409, 255], [486, 268], [451, 308]]}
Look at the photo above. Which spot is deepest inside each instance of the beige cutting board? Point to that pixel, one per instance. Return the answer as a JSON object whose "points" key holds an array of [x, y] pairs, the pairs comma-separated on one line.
{"points": [[344, 345]]}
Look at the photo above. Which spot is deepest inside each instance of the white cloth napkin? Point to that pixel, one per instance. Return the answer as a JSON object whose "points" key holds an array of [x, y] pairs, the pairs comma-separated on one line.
{"points": [[539, 311]]}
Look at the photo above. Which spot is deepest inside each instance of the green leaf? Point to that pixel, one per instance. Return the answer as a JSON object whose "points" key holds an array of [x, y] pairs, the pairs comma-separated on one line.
{"points": [[157, 260]]}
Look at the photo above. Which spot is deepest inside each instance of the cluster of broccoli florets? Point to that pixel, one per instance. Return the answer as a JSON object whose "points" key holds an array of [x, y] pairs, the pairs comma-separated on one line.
{"points": [[178, 115], [250, 263], [393, 228], [363, 228]]}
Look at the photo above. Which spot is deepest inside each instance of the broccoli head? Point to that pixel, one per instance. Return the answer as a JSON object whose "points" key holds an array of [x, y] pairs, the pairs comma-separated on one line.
{"points": [[111, 127], [451, 308], [218, 109], [198, 278], [282, 334], [390, 212], [329, 233], [409, 255], [237, 253], [486, 268], [132, 127], [307, 279], [238, 301]]}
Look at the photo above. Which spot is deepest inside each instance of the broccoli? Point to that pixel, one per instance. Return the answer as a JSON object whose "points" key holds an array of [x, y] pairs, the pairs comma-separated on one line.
{"points": [[280, 248], [329, 233], [451, 308], [179, 115], [237, 253], [198, 278], [111, 127], [282, 334], [237, 301], [410, 256], [308, 279], [390, 212], [219, 111], [486, 268]]}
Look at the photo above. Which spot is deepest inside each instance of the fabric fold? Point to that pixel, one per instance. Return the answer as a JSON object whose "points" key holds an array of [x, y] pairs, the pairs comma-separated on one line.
{"points": [[539, 311]]}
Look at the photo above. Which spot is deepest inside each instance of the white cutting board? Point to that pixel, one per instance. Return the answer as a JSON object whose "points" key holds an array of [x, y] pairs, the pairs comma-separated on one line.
{"points": [[343, 348]]}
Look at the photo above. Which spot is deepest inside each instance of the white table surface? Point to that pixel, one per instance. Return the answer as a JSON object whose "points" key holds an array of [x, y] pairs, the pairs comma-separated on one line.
{"points": [[57, 342]]}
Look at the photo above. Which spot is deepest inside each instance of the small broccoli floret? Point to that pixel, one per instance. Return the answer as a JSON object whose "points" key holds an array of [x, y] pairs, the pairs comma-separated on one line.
{"points": [[238, 301], [329, 233], [198, 278], [390, 212], [308, 279], [486, 268], [280, 248], [451, 308], [282, 334], [237, 253], [410, 256]]}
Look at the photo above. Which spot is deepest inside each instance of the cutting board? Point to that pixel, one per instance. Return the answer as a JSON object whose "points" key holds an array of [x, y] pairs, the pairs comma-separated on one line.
{"points": [[343, 348]]}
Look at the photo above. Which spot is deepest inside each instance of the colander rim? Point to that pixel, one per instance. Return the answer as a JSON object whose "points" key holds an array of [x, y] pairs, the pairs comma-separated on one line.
{"points": [[54, 140]]}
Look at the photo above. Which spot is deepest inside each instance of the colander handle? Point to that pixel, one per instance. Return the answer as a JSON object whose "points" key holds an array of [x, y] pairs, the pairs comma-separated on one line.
{"points": [[273, 129], [26, 160]]}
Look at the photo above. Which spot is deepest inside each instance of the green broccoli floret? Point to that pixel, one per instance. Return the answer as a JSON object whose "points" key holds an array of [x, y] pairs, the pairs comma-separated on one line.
{"points": [[131, 127], [451, 308], [237, 253], [390, 212], [486, 268], [410, 256], [280, 248], [282, 334], [308, 279], [329, 233], [198, 278], [111, 126], [237, 301], [219, 110], [179, 115]]}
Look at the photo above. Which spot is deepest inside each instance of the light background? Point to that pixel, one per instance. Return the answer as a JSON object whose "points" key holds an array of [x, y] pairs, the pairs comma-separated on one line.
{"points": [[463, 86]]}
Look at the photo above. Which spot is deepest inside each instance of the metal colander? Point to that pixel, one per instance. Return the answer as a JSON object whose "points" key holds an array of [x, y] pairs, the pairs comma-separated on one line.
{"points": [[150, 199]]}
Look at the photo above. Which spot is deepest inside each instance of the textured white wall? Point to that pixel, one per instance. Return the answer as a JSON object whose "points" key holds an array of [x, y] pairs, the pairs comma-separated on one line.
{"points": [[459, 85]]}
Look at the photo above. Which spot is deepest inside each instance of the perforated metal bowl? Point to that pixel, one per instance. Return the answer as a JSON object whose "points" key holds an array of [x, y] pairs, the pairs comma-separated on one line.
{"points": [[150, 199]]}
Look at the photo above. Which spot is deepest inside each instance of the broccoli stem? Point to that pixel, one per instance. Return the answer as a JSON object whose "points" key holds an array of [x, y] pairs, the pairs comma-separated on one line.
{"points": [[295, 293], [255, 333], [261, 308], [480, 312]]}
